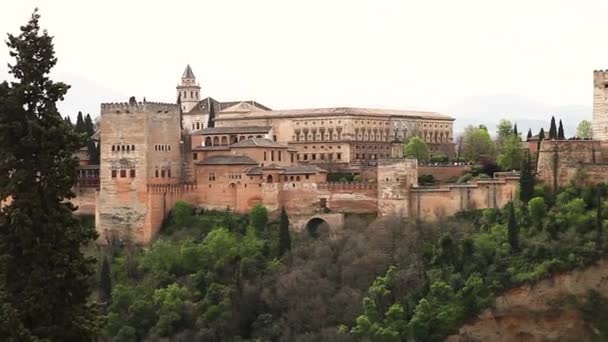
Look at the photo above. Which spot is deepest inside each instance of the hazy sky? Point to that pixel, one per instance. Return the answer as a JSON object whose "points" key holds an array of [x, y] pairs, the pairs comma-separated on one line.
{"points": [[476, 60]]}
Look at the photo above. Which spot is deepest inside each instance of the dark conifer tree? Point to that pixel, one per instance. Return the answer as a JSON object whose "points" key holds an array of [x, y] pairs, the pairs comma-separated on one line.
{"points": [[284, 236], [45, 282], [80, 126], [515, 130], [93, 152], [526, 181], [560, 131], [105, 281], [541, 134], [513, 229], [211, 121], [529, 136], [68, 120], [599, 222], [89, 126], [553, 129]]}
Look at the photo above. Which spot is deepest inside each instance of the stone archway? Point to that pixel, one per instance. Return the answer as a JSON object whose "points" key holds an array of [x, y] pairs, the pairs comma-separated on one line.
{"points": [[317, 226]]}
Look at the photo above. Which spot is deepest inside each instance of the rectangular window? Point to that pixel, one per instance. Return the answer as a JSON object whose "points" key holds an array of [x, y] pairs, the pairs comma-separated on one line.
{"points": [[162, 173], [306, 176], [113, 173], [169, 173], [264, 155], [271, 155], [123, 173], [195, 156], [339, 156], [314, 156], [279, 155], [305, 156], [274, 137], [132, 173], [291, 157]]}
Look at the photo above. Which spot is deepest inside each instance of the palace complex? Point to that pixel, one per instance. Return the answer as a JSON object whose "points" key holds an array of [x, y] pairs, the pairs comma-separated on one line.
{"points": [[234, 155]]}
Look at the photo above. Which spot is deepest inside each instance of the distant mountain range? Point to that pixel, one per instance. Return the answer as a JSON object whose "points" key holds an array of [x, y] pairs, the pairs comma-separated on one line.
{"points": [[488, 110]]}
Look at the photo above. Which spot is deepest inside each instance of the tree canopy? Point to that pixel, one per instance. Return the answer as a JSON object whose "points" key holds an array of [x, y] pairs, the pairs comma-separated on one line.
{"points": [[477, 142], [418, 149], [583, 130], [39, 235]]}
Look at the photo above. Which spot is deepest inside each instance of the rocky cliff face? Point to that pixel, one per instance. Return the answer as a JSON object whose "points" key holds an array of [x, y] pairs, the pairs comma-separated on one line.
{"points": [[548, 310]]}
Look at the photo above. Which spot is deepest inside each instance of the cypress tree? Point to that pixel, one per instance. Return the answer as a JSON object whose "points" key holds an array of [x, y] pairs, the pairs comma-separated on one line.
{"points": [[541, 134], [80, 126], [599, 222], [526, 181], [560, 131], [529, 136], [513, 229], [89, 127], [93, 152], [284, 236], [105, 281], [553, 129], [211, 121], [515, 130], [44, 285], [68, 120]]}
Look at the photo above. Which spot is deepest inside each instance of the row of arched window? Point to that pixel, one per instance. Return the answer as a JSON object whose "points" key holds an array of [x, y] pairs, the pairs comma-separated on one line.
{"points": [[162, 147], [193, 94], [123, 173], [121, 147]]}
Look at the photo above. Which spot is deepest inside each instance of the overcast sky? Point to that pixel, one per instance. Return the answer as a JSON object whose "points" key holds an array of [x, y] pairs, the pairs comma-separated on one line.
{"points": [[476, 60]]}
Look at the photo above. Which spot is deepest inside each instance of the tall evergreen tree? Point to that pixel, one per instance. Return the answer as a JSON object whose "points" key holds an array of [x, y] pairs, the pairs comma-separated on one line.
{"points": [[515, 130], [68, 120], [553, 129], [105, 281], [284, 236], [45, 284], [599, 222], [541, 134], [529, 136], [513, 229], [93, 152], [560, 131], [526, 180], [211, 121], [80, 126], [89, 126]]}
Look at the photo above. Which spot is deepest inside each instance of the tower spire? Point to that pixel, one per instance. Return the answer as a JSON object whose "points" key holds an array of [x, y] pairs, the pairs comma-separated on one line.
{"points": [[188, 72]]}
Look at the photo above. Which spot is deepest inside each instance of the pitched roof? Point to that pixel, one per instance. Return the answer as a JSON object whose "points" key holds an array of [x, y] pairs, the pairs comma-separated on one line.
{"points": [[188, 72], [228, 160], [233, 130], [243, 107], [342, 111], [287, 170], [202, 107], [258, 142]]}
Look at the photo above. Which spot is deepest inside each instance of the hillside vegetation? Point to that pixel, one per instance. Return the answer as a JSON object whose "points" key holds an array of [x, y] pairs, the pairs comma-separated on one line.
{"points": [[219, 276]]}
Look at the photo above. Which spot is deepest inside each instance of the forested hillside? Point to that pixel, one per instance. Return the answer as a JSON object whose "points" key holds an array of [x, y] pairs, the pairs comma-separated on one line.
{"points": [[219, 276]]}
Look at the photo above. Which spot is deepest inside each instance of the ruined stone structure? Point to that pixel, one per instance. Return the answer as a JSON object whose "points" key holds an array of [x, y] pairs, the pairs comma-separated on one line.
{"points": [[600, 105], [234, 155]]}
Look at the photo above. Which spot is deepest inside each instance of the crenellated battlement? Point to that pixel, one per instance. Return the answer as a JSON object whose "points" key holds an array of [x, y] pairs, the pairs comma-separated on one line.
{"points": [[152, 107], [347, 186]]}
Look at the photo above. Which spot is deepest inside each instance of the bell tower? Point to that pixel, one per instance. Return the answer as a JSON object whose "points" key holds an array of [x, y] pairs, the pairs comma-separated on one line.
{"points": [[188, 91]]}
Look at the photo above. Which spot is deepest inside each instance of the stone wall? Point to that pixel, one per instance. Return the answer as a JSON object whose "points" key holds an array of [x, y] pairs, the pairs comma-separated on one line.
{"points": [[395, 179], [560, 160], [85, 200], [444, 173], [434, 203]]}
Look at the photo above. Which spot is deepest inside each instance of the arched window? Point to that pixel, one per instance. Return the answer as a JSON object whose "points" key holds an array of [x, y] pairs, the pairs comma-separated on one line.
{"points": [[113, 148], [208, 141], [132, 147], [224, 141], [269, 179], [198, 125], [297, 178], [216, 141]]}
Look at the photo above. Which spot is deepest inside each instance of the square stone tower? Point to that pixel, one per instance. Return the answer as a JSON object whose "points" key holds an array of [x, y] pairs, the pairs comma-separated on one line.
{"points": [[600, 105], [140, 146]]}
